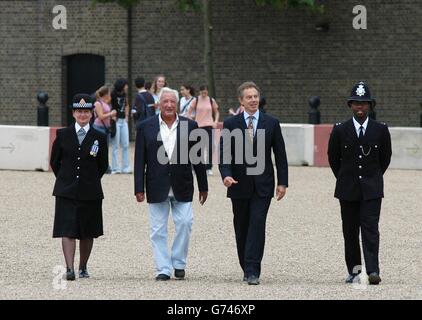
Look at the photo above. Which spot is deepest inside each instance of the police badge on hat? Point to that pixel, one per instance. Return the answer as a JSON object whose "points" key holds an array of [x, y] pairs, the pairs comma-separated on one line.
{"points": [[360, 90], [94, 149]]}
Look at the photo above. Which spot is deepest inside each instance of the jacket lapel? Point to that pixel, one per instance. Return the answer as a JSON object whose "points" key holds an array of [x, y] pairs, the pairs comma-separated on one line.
{"points": [[260, 125], [351, 131]]}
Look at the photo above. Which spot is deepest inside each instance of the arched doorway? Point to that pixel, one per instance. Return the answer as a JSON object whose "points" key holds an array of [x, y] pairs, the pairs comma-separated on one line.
{"points": [[82, 73]]}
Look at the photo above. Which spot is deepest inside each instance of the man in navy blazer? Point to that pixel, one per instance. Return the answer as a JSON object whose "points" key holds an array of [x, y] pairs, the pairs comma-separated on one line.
{"points": [[250, 191], [163, 166]]}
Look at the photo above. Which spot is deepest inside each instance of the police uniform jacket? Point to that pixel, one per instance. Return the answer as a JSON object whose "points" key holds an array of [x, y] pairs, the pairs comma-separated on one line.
{"points": [[78, 170], [359, 165]]}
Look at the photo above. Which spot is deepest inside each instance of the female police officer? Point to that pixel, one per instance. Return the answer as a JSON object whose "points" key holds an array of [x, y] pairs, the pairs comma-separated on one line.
{"points": [[79, 158]]}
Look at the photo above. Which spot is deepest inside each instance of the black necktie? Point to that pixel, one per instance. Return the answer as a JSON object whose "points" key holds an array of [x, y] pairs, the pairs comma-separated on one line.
{"points": [[360, 132]]}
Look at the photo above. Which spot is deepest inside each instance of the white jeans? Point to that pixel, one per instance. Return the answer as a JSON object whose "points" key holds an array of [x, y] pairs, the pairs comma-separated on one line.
{"points": [[166, 261]]}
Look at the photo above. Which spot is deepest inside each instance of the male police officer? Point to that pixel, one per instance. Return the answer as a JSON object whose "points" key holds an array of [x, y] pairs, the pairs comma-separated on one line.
{"points": [[359, 153]]}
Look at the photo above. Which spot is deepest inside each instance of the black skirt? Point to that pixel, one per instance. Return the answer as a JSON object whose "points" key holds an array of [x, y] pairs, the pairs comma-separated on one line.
{"points": [[78, 219]]}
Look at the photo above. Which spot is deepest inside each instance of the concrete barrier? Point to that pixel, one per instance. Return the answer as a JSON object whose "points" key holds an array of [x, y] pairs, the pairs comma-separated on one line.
{"points": [[321, 137], [24, 148], [29, 148], [407, 148], [299, 140]]}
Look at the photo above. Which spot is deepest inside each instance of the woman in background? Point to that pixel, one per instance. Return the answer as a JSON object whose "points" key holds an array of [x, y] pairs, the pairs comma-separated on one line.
{"points": [[158, 84], [207, 117], [188, 96]]}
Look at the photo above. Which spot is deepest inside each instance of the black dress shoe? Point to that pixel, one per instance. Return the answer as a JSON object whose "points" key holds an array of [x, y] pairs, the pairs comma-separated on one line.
{"points": [[162, 277], [245, 278], [70, 275], [374, 278], [83, 273], [179, 274], [253, 280]]}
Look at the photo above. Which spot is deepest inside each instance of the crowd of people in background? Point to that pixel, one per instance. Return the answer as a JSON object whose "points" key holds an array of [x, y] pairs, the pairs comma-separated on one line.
{"points": [[113, 111]]}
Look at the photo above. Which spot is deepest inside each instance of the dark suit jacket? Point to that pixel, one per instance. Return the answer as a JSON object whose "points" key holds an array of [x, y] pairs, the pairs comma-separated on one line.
{"points": [[262, 184], [78, 173], [359, 175], [157, 177]]}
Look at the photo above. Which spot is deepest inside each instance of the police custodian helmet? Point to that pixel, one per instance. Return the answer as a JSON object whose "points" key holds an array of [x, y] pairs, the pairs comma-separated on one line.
{"points": [[361, 92]]}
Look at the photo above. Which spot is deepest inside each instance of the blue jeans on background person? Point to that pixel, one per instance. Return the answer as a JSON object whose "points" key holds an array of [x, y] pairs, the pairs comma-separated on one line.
{"points": [[166, 261], [121, 138]]}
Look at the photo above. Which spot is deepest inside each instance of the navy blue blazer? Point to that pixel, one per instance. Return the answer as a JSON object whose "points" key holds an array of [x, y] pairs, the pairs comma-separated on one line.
{"points": [[158, 178], [263, 184]]}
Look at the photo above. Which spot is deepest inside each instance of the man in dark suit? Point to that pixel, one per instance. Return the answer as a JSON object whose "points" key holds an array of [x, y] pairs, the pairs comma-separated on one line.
{"points": [[163, 165], [79, 159], [250, 191], [359, 153]]}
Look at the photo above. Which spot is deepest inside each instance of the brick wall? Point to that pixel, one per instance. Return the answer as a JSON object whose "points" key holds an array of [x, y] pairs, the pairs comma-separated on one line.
{"points": [[280, 50]]}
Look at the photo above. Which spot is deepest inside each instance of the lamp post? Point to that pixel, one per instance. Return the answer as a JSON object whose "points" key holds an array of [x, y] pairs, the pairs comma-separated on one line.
{"points": [[42, 110]]}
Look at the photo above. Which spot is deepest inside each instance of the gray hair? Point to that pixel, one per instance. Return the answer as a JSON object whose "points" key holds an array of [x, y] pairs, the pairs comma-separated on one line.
{"points": [[169, 90]]}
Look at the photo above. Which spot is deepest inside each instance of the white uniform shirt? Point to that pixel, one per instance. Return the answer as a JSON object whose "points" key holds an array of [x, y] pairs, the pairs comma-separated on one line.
{"points": [[357, 126]]}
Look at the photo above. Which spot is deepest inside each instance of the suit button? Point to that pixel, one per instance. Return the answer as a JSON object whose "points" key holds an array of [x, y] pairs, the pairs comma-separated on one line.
{"points": [[360, 157], [78, 168], [376, 146], [79, 158], [360, 167], [79, 149], [77, 177], [360, 177]]}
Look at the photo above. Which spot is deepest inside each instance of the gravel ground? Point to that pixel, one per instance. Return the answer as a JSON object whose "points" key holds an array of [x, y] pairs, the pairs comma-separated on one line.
{"points": [[303, 256]]}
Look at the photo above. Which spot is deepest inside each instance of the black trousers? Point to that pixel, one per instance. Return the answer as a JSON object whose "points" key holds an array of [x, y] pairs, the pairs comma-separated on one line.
{"points": [[209, 148], [249, 218], [363, 215]]}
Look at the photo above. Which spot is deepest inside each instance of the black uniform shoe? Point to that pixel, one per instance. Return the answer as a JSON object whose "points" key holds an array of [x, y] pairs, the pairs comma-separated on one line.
{"points": [[83, 273], [179, 274], [245, 278], [162, 277], [374, 278], [253, 280], [70, 275]]}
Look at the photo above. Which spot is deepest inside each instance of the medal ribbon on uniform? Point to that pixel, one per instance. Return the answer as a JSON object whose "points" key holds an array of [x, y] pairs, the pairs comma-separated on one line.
{"points": [[94, 149]]}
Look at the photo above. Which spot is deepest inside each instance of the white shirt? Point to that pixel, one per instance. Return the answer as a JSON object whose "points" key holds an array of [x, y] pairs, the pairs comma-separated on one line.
{"points": [[185, 105], [254, 120], [357, 126], [78, 127], [168, 136]]}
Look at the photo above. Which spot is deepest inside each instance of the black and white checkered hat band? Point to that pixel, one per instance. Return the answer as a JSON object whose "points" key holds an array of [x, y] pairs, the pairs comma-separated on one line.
{"points": [[82, 106]]}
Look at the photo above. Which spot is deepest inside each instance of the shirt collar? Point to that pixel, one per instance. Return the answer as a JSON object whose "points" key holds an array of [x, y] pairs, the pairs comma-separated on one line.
{"points": [[357, 124], [78, 127], [255, 115], [161, 121]]}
